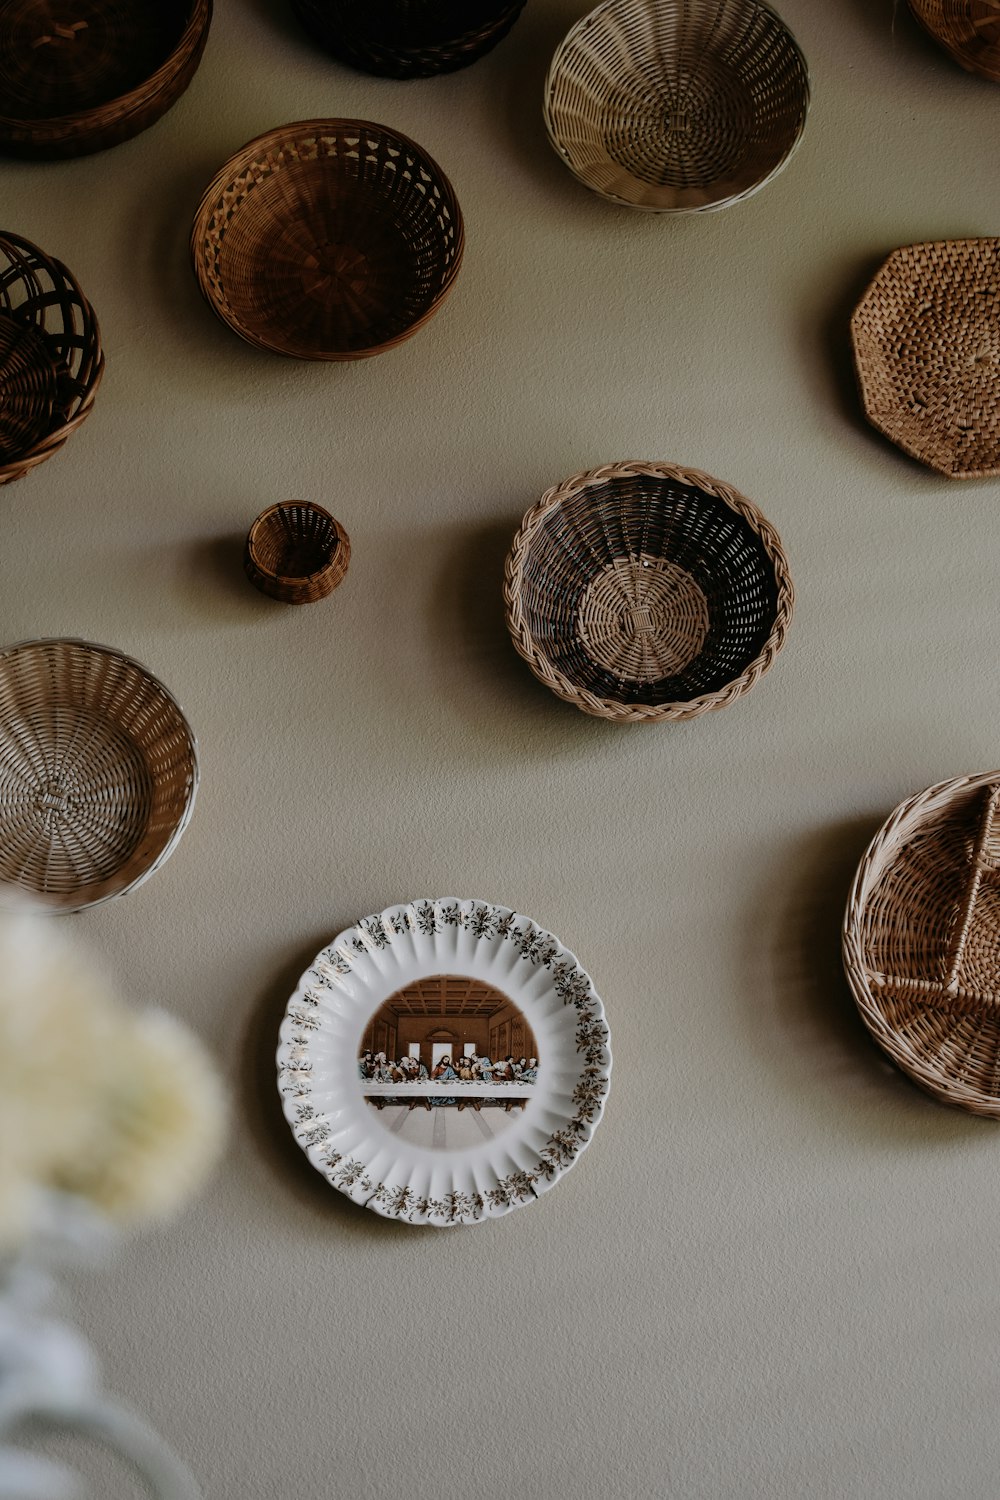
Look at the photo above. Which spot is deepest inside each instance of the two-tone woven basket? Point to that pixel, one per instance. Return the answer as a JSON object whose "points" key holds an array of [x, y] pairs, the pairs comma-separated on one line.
{"points": [[646, 592], [968, 30], [408, 38], [922, 941], [297, 553]]}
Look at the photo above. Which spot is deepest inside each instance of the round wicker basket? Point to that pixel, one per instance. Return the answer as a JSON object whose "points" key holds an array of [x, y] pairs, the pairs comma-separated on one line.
{"points": [[328, 239], [644, 592], [969, 30], [408, 38], [98, 772], [76, 79], [922, 941], [51, 360], [677, 106], [296, 552]]}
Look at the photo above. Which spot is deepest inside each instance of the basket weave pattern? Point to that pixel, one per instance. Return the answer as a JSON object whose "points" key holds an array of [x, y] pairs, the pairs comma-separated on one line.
{"points": [[408, 38], [98, 772], [644, 591], [296, 552], [922, 941], [677, 105], [969, 30]]}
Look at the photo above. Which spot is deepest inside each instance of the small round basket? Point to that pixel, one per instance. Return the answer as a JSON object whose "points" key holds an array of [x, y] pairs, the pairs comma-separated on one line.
{"points": [[51, 360], [79, 78], [98, 772], [677, 106], [408, 38], [328, 239], [296, 552], [969, 30], [922, 941], [644, 592]]}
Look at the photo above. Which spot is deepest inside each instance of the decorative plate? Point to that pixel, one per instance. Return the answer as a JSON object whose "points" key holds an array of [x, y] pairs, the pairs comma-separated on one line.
{"points": [[444, 1061]]}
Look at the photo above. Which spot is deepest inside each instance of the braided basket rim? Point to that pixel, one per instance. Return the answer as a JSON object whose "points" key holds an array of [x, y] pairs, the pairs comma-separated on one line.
{"points": [[549, 674]]}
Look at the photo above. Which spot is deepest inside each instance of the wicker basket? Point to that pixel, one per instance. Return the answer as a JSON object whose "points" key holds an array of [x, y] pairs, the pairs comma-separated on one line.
{"points": [[922, 941], [643, 591], [296, 552], [677, 106], [328, 239], [73, 86], [969, 30], [408, 38], [926, 340], [51, 361], [98, 772]]}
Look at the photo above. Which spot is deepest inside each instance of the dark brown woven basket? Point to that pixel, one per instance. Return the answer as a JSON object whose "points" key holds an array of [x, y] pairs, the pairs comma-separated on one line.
{"points": [[79, 78], [408, 38], [968, 30], [328, 239], [51, 360], [296, 552], [643, 591]]}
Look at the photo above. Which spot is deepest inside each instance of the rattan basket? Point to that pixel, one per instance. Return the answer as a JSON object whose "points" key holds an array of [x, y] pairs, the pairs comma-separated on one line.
{"points": [[408, 38], [677, 106], [98, 772], [644, 591], [79, 78], [51, 360], [926, 338], [296, 552], [922, 941], [328, 239], [969, 30]]}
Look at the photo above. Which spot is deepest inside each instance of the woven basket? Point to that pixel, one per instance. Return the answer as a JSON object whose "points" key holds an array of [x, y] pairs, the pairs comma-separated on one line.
{"points": [[296, 552], [926, 338], [969, 30], [677, 106], [79, 78], [643, 591], [51, 360], [328, 239], [922, 941], [98, 772], [408, 38]]}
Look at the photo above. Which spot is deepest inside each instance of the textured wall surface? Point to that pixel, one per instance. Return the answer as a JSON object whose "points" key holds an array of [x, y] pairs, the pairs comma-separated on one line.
{"points": [[774, 1272]]}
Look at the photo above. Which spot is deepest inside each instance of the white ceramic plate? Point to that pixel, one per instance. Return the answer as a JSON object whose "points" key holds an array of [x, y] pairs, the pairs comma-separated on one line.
{"points": [[405, 1061]]}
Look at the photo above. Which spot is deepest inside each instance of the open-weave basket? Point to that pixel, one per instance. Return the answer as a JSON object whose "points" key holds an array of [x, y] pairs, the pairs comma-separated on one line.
{"points": [[408, 38], [967, 29], [328, 239], [644, 591], [98, 772], [51, 360], [296, 552], [922, 940], [79, 78], [926, 338], [677, 106]]}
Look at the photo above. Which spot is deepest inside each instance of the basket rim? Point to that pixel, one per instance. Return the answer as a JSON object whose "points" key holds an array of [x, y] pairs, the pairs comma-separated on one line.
{"points": [[546, 670], [293, 578], [52, 126], [924, 12], [212, 196], [584, 23], [50, 908]]}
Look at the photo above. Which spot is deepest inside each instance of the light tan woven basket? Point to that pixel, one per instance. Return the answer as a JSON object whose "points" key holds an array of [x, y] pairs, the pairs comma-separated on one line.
{"points": [[645, 592], [677, 106], [922, 941], [926, 338], [969, 30]]}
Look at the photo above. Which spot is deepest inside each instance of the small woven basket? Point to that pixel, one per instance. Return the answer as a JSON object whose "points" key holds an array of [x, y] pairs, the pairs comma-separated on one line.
{"points": [[328, 239], [296, 552], [51, 360], [969, 30], [76, 79], [926, 338], [922, 941], [644, 592], [677, 106], [98, 772], [408, 38]]}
